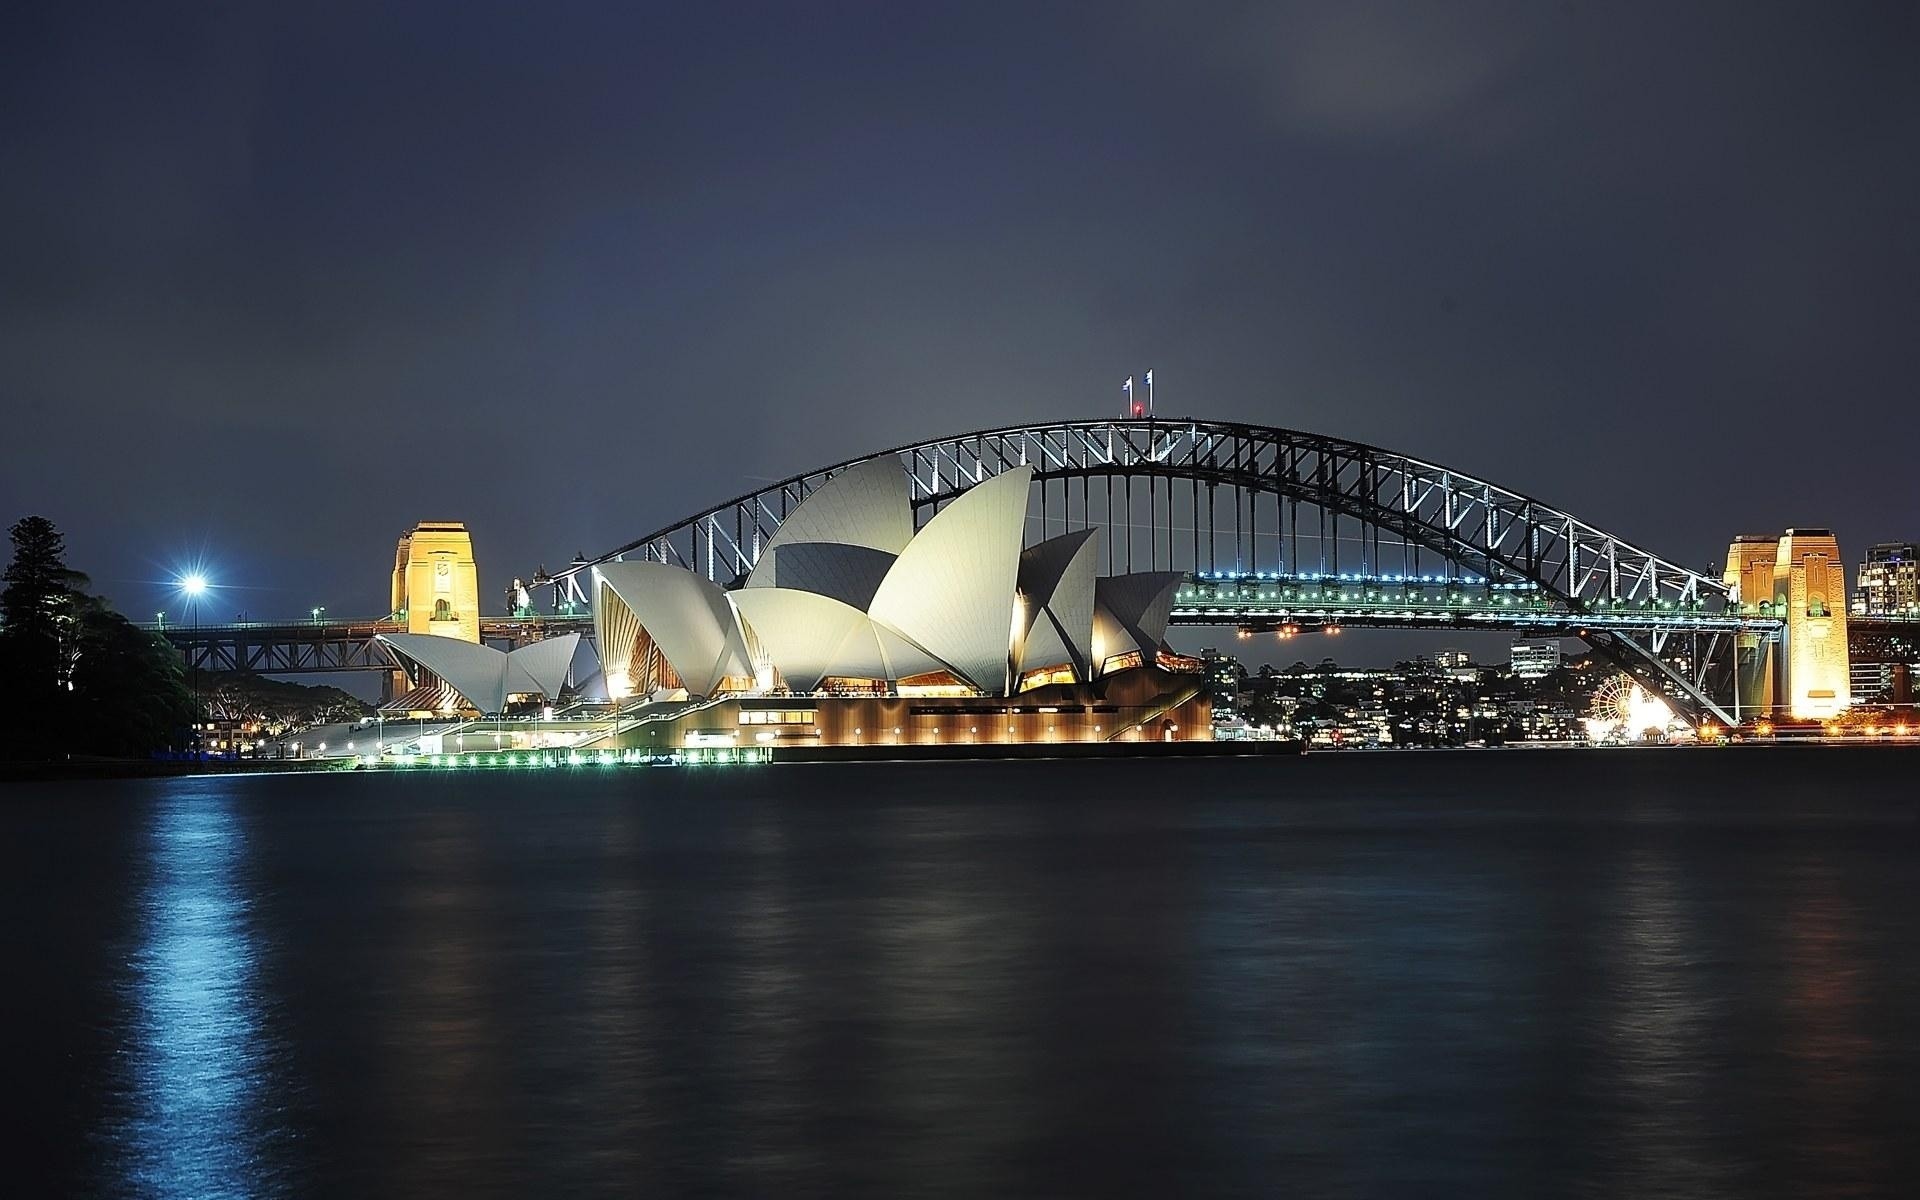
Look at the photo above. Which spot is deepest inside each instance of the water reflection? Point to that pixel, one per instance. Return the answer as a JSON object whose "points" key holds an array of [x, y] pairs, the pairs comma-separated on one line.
{"points": [[616, 998], [441, 1001], [973, 981], [951, 944], [199, 1066], [1660, 1021], [1824, 988], [766, 998]]}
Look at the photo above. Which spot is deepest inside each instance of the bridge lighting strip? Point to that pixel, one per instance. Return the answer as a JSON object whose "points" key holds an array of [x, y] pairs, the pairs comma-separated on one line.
{"points": [[1713, 624]]}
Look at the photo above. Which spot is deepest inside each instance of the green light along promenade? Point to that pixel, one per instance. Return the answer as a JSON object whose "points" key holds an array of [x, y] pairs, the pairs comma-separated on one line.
{"points": [[1265, 601], [719, 756]]}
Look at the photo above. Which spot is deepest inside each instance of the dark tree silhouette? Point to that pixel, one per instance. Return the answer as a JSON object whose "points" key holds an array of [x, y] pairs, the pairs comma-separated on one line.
{"points": [[130, 694], [79, 677], [37, 607]]}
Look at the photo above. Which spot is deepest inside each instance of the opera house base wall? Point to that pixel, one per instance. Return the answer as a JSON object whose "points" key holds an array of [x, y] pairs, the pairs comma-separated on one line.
{"points": [[1142, 705], [1209, 748]]}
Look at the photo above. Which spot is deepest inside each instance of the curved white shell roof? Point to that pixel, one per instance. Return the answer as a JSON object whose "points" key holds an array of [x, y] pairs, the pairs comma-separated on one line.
{"points": [[952, 589], [541, 666], [687, 616], [484, 676], [843, 537], [1130, 613], [478, 673], [846, 588], [809, 636], [1056, 589]]}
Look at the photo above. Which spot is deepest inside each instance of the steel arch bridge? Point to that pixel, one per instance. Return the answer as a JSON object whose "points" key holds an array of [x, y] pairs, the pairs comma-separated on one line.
{"points": [[1242, 506]]}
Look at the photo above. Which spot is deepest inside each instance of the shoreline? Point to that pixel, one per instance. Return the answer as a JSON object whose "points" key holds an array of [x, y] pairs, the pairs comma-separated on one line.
{"points": [[112, 769]]}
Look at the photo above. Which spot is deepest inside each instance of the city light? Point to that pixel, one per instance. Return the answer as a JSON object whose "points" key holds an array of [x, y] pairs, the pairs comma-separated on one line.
{"points": [[194, 585]]}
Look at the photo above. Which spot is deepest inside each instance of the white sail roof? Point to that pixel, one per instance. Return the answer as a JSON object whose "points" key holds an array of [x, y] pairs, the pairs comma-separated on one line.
{"points": [[809, 636], [541, 667], [686, 615], [483, 676], [843, 537], [904, 658], [1131, 612], [1056, 591], [478, 673], [952, 589]]}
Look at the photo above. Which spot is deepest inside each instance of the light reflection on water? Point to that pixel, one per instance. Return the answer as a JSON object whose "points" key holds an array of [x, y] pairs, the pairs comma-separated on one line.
{"points": [[1659, 1016], [1344, 978], [201, 1113]]}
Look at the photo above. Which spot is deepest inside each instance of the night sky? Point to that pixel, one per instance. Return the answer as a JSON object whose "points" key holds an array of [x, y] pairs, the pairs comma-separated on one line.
{"points": [[274, 285]]}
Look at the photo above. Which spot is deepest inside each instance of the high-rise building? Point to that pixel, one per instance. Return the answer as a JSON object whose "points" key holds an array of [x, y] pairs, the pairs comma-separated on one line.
{"points": [[1452, 660], [1889, 581], [1875, 682], [1534, 658], [1224, 675], [1885, 662]]}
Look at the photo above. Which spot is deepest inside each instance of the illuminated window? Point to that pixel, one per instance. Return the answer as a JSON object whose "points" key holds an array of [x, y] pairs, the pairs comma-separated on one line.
{"points": [[772, 716]]}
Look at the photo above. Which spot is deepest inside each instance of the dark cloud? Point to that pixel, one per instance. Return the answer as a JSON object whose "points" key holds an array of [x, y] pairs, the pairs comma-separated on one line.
{"points": [[300, 276]]}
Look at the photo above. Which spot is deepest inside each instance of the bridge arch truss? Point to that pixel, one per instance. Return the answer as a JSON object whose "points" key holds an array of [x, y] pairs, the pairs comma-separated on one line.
{"points": [[1224, 497]]}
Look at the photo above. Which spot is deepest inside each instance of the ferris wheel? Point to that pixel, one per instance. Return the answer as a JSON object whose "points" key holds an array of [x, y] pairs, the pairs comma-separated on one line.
{"points": [[1623, 708]]}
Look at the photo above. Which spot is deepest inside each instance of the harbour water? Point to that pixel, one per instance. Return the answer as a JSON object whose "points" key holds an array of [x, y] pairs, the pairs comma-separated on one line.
{"points": [[1505, 973]]}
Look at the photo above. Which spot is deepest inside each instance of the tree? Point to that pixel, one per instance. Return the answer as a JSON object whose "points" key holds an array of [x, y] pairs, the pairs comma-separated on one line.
{"points": [[37, 607], [36, 643], [130, 693], [79, 677]]}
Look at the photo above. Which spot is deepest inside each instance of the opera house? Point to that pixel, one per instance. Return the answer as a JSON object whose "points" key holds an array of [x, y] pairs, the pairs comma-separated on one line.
{"points": [[856, 629]]}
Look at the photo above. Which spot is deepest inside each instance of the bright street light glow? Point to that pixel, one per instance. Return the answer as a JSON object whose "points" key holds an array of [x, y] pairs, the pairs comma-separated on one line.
{"points": [[193, 585]]}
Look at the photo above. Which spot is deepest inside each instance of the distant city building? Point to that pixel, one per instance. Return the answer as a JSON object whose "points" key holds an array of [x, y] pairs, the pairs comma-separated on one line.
{"points": [[1877, 682], [226, 736], [1883, 663], [1412, 704], [1452, 660], [1889, 581], [1224, 674], [1534, 658]]}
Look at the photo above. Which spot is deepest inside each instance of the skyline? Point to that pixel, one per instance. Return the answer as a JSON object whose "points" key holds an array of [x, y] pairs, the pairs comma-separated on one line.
{"points": [[1639, 266]]}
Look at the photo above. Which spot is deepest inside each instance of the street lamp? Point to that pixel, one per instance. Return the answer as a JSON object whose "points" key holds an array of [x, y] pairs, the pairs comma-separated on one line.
{"points": [[317, 612], [193, 585]]}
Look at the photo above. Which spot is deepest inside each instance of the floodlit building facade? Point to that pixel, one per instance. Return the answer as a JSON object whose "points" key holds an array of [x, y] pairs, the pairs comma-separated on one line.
{"points": [[436, 588], [1809, 592], [1799, 579]]}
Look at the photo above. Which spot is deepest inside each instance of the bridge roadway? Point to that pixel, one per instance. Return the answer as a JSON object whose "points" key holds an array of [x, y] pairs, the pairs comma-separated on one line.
{"points": [[1258, 602], [329, 646], [1266, 602]]}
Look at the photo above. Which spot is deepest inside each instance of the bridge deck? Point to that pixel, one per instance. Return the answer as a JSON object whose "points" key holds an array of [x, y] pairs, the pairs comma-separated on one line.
{"points": [[1270, 601], [328, 646]]}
